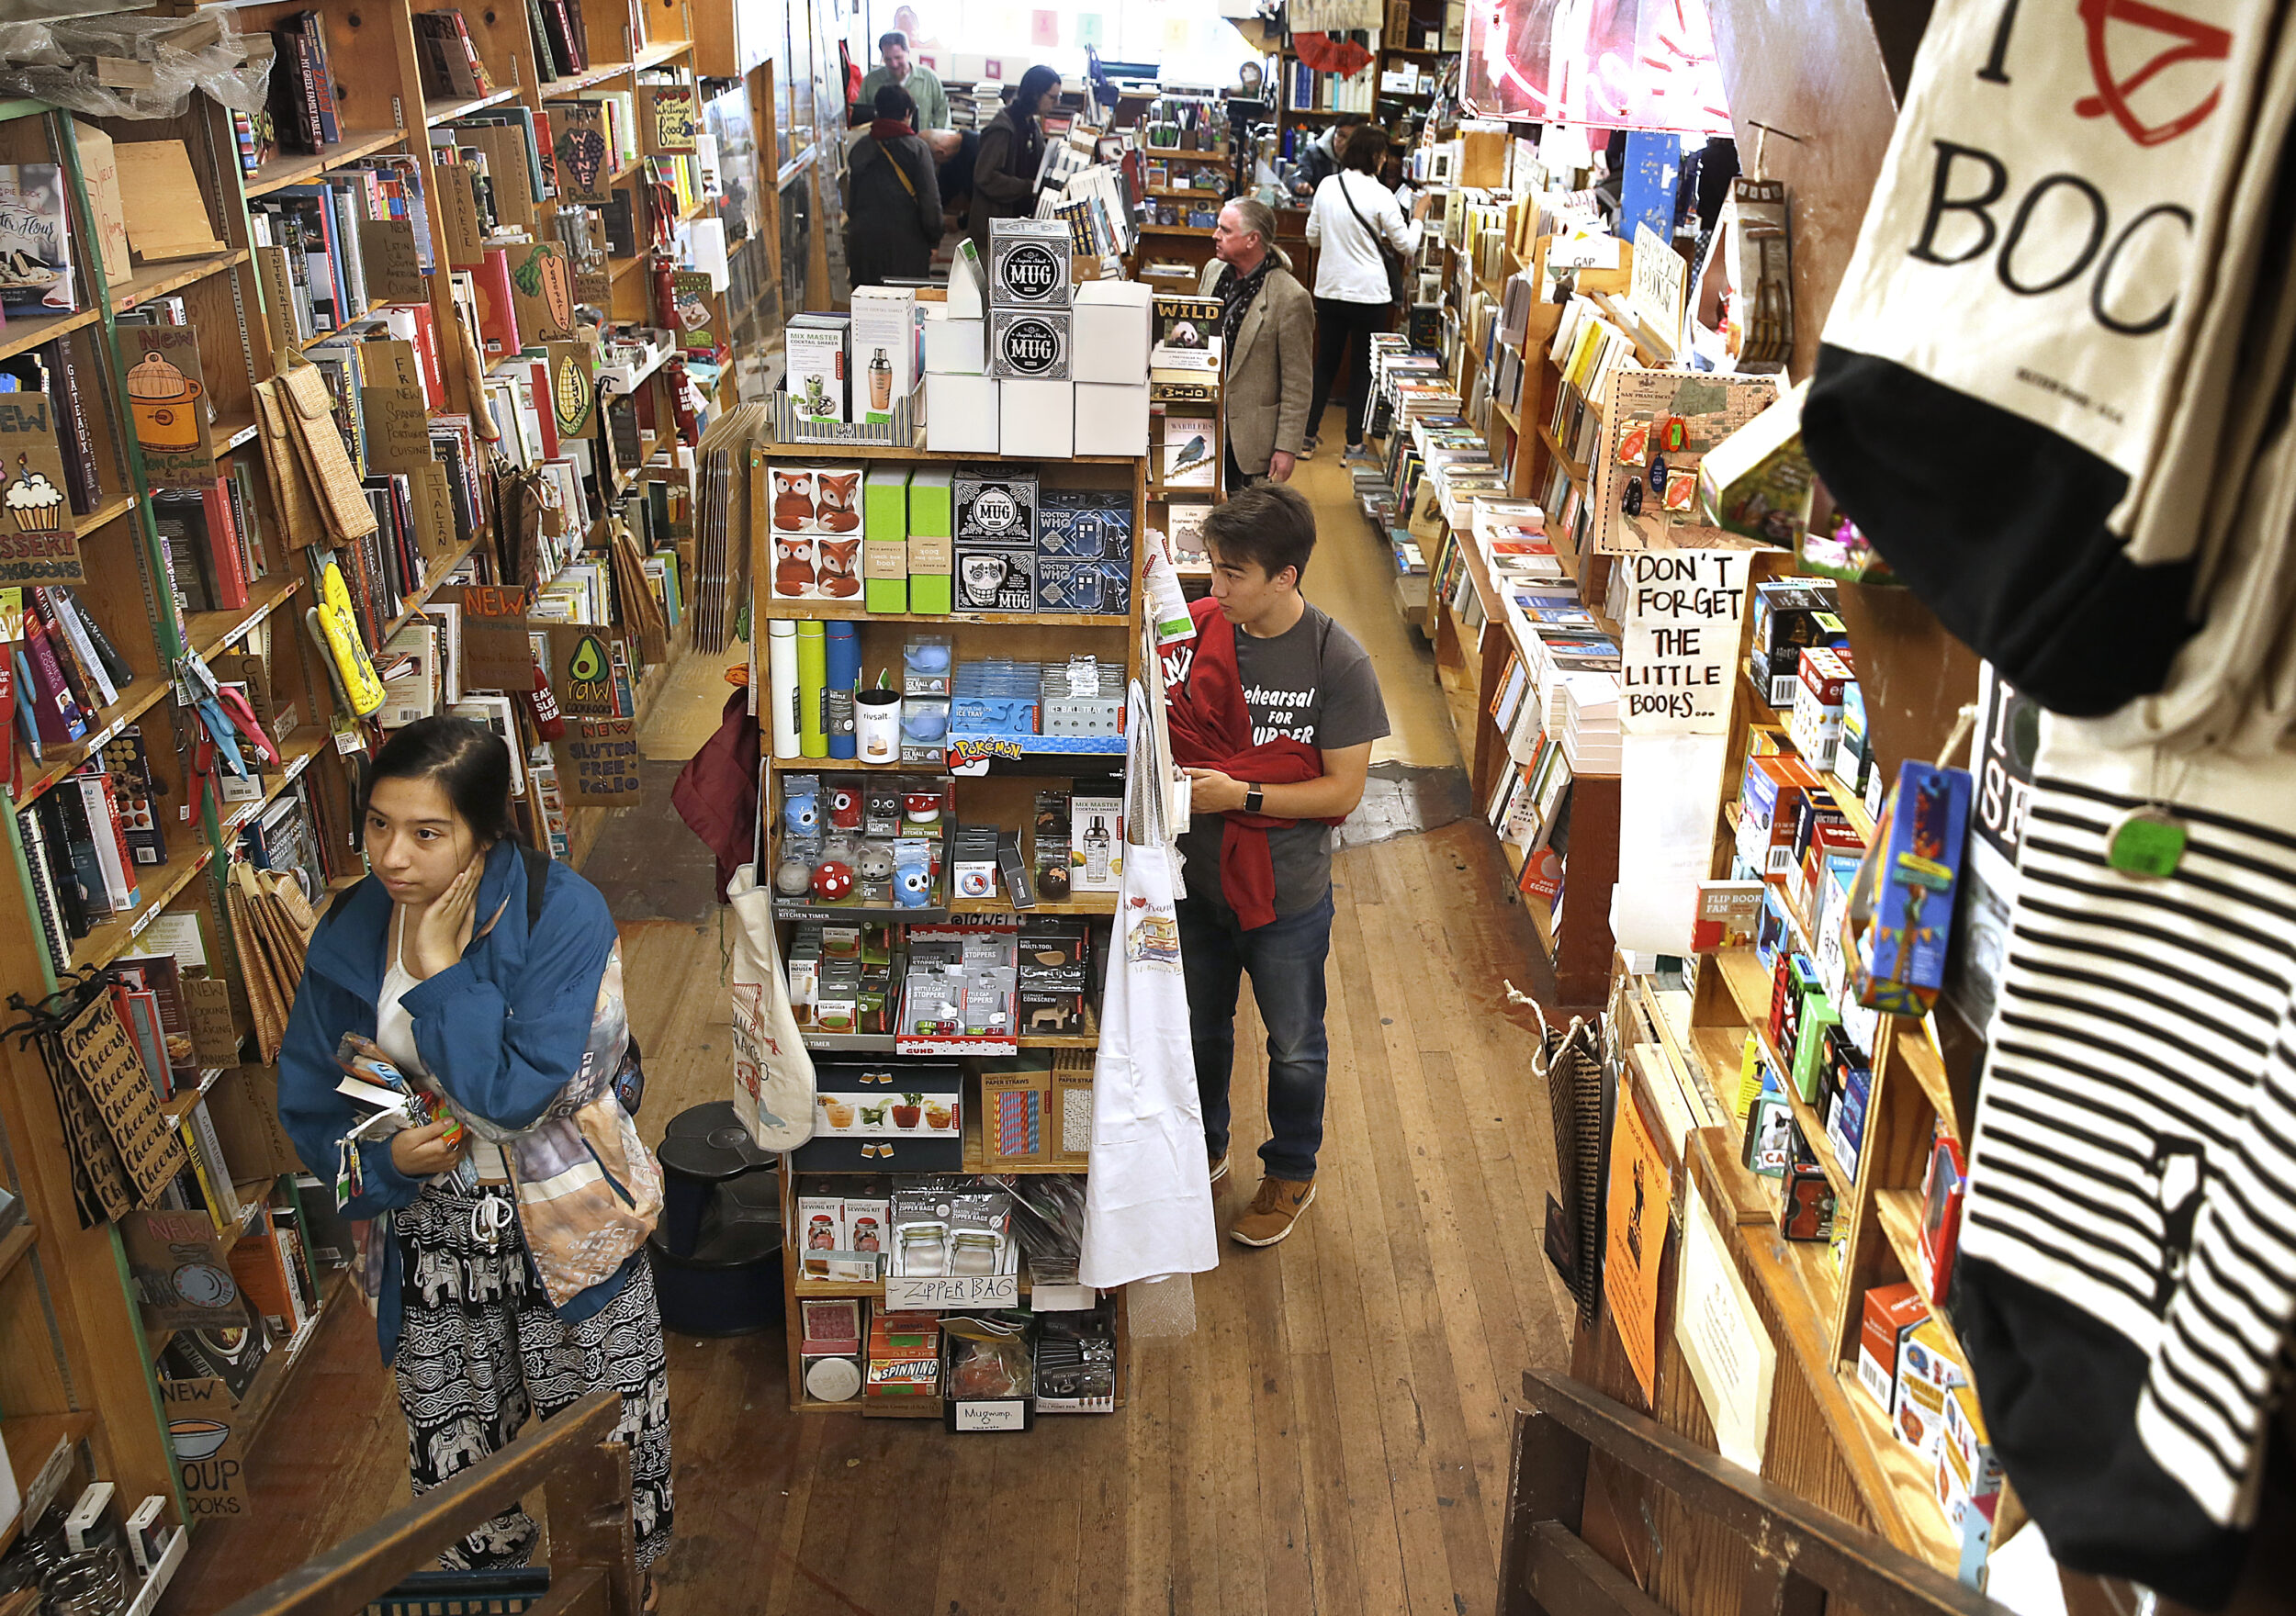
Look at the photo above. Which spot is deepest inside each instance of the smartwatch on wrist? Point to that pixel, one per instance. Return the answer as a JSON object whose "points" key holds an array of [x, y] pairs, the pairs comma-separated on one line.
{"points": [[1252, 800]]}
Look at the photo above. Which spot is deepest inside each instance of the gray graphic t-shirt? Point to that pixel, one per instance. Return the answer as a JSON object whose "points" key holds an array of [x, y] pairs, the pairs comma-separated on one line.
{"points": [[1313, 683]]}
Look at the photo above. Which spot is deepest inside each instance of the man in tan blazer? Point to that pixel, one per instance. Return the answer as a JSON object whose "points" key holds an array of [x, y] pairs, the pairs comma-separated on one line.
{"points": [[1269, 341]]}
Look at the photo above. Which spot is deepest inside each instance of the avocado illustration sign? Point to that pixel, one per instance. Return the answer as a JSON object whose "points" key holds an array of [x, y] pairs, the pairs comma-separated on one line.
{"points": [[581, 671]]}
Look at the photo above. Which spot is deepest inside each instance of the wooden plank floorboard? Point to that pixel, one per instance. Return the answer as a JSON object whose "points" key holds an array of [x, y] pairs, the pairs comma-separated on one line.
{"points": [[1331, 1440]]}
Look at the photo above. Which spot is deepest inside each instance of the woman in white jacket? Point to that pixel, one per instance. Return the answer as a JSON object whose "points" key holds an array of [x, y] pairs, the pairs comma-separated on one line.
{"points": [[1353, 214]]}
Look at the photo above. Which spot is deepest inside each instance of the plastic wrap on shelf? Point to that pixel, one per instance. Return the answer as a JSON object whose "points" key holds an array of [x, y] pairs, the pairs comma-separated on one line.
{"points": [[140, 66]]}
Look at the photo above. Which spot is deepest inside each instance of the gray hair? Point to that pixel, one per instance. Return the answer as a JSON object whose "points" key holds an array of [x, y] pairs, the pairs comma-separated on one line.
{"points": [[895, 36], [1259, 218]]}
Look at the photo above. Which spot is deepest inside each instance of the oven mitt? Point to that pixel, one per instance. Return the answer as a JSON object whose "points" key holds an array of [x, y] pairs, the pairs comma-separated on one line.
{"points": [[338, 634], [2021, 381]]}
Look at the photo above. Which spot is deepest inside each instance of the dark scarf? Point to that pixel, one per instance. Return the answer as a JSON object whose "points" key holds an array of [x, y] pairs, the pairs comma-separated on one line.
{"points": [[1240, 291], [1212, 728], [890, 128]]}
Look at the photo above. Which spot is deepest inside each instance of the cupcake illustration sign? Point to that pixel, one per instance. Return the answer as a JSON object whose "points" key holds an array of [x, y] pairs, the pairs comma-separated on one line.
{"points": [[169, 401], [38, 542]]}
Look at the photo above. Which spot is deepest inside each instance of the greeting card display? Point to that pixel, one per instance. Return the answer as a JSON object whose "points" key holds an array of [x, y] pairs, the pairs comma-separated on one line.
{"points": [[1658, 425]]}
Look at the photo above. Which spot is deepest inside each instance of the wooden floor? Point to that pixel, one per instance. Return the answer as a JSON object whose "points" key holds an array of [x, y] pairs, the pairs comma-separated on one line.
{"points": [[1333, 1436]]}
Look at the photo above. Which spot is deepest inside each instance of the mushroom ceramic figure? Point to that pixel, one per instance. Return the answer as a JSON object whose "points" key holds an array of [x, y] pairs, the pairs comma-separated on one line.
{"points": [[921, 808], [832, 881]]}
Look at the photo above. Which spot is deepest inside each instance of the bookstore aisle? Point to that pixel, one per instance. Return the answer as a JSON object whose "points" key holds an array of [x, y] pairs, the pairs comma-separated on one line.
{"points": [[1332, 1437]]}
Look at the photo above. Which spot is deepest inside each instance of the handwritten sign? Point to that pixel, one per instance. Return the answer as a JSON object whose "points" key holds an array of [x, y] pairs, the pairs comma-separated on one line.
{"points": [[582, 670], [37, 544], [542, 291], [585, 163], [598, 762], [201, 1420], [397, 430], [215, 1036], [98, 1044], [167, 396], [914, 1293], [1008, 1414], [1656, 283], [1679, 654], [434, 511], [668, 118], [573, 386], [497, 654], [459, 208], [392, 262], [180, 1265]]}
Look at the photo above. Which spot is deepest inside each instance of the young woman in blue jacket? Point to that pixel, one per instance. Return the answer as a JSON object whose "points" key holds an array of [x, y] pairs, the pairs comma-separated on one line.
{"points": [[505, 1255]]}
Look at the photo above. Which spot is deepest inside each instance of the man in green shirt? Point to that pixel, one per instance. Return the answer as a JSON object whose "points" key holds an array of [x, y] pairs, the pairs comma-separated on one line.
{"points": [[924, 88]]}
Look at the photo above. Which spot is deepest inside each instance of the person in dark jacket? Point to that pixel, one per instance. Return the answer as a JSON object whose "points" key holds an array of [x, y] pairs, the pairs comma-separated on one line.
{"points": [[1011, 151], [501, 1245], [893, 218]]}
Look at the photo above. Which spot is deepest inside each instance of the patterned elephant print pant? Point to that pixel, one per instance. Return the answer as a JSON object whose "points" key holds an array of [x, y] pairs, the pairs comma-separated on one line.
{"points": [[480, 1349]]}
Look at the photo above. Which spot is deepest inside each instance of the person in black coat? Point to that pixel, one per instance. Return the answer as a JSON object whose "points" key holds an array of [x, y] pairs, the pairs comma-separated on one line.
{"points": [[893, 218], [1011, 151]]}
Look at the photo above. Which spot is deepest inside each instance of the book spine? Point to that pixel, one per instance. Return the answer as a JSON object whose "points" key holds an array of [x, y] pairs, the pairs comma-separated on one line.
{"points": [[82, 479], [110, 841], [26, 721], [231, 580], [52, 932], [329, 127], [547, 62], [77, 679], [59, 716], [63, 610], [308, 75], [223, 1221]]}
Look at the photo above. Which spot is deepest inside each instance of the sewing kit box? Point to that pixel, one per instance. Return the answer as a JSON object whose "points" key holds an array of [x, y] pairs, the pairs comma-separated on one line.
{"points": [[996, 580], [1029, 344], [1029, 264], [994, 507]]}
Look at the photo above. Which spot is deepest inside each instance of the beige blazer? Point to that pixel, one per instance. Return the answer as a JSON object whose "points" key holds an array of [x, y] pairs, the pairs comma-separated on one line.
{"points": [[1271, 372]]}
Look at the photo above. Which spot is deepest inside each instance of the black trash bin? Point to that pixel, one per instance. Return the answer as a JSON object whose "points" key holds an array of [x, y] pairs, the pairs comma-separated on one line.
{"points": [[717, 1249]]}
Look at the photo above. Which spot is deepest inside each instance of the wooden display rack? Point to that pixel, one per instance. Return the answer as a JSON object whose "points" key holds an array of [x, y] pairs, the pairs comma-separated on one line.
{"points": [[1004, 796], [72, 1347]]}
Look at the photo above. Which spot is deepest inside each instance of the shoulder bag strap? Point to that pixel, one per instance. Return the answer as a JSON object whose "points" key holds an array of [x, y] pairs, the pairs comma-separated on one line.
{"points": [[899, 173], [1389, 260]]}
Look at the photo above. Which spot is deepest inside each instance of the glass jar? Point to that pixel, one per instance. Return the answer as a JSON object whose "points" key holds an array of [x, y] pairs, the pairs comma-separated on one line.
{"points": [[924, 1250], [975, 1255], [93, 1582]]}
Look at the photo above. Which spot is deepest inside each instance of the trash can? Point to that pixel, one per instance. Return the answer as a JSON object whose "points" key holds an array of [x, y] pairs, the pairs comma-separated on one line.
{"points": [[717, 1249]]}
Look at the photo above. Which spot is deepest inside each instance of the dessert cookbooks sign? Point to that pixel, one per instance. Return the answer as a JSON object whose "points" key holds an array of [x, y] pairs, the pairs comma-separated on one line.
{"points": [[37, 544]]}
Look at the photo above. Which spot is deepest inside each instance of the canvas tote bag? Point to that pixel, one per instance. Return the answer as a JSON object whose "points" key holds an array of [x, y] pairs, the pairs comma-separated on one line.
{"points": [[2025, 380], [1148, 1209], [2127, 1276], [772, 1070]]}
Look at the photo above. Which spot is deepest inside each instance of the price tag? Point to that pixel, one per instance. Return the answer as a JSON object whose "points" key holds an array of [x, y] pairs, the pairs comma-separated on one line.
{"points": [[926, 1294], [999, 1416]]}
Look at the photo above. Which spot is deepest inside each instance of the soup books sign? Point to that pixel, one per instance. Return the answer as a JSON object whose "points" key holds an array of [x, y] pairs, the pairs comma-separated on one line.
{"points": [[38, 542]]}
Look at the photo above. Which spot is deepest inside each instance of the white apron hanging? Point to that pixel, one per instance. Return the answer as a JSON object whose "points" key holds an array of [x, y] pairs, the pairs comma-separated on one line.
{"points": [[772, 1070], [1148, 1188]]}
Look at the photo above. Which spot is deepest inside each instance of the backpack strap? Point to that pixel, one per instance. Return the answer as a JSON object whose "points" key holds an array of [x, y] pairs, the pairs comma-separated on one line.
{"points": [[537, 876]]}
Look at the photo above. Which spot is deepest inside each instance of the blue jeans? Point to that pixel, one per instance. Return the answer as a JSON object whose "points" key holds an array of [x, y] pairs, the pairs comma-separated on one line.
{"points": [[1286, 959]]}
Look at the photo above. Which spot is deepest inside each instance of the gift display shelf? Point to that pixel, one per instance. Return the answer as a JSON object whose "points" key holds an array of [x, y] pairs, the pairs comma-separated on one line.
{"points": [[780, 607], [1032, 635]]}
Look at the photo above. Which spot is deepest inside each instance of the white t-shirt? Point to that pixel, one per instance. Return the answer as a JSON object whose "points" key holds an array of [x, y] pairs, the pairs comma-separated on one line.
{"points": [[1347, 264], [394, 1035]]}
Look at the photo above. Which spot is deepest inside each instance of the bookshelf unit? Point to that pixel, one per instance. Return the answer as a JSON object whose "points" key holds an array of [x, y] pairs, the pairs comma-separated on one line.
{"points": [[77, 1365], [1004, 796]]}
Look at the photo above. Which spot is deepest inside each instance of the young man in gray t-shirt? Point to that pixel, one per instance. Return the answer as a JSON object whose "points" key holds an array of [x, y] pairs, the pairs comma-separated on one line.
{"points": [[1303, 678]]}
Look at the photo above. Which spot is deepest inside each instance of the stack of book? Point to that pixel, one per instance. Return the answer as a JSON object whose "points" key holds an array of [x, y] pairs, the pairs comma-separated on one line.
{"points": [[301, 113], [450, 66]]}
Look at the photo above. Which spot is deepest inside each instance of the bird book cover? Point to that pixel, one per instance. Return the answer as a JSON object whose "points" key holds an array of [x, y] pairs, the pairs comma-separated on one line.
{"points": [[1187, 451]]}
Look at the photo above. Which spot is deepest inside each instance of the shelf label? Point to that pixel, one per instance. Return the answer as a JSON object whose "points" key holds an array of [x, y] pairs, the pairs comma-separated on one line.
{"points": [[914, 1293], [999, 1416]]}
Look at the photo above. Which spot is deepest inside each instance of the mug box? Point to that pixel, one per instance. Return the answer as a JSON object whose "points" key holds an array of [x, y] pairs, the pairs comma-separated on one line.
{"points": [[994, 580]]}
